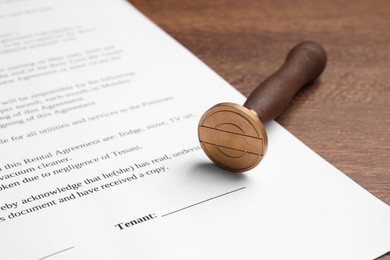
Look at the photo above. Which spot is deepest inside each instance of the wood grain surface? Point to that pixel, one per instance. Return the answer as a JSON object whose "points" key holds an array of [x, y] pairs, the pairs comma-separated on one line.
{"points": [[345, 115]]}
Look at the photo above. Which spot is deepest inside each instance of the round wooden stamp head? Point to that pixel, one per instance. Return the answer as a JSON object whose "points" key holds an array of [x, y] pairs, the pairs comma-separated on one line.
{"points": [[232, 136]]}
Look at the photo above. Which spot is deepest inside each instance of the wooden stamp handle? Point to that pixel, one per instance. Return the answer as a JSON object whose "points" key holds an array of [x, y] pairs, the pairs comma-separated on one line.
{"points": [[304, 63]]}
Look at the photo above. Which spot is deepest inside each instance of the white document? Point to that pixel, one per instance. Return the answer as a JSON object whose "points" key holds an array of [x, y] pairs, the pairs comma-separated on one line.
{"points": [[99, 157]]}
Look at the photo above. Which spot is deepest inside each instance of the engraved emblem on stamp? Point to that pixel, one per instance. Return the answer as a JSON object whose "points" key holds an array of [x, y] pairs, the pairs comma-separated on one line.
{"points": [[233, 136]]}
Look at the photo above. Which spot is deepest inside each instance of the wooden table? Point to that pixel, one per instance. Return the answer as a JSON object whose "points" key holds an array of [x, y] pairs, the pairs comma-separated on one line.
{"points": [[345, 115]]}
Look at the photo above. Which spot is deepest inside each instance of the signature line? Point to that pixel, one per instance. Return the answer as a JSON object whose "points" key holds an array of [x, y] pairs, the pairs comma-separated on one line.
{"points": [[56, 253], [203, 201]]}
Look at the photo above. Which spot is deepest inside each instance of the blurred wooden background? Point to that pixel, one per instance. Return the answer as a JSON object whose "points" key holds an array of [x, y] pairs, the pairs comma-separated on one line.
{"points": [[345, 115]]}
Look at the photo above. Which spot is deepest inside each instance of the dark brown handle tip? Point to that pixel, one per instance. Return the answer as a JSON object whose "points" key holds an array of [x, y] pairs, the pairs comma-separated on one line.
{"points": [[311, 56], [303, 64]]}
